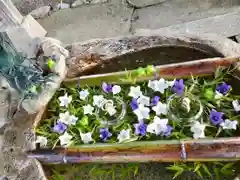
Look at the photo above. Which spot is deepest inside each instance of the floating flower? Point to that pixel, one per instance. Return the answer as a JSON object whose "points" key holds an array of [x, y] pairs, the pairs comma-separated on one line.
{"points": [[170, 83], [218, 95], [227, 124], [41, 140], [107, 87], [168, 131], [86, 137], [155, 100], [161, 85], [158, 126], [144, 100], [110, 109], [105, 134], [134, 104], [88, 109], [65, 139], [97, 100], [152, 84], [65, 100], [223, 88], [178, 87], [116, 89], [216, 117], [142, 112], [124, 135], [236, 105], [60, 127], [83, 94], [160, 108], [198, 130], [135, 92], [140, 129], [68, 119], [158, 85]]}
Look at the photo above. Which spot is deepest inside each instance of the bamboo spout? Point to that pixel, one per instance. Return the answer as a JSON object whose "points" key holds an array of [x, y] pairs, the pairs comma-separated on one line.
{"points": [[223, 149]]}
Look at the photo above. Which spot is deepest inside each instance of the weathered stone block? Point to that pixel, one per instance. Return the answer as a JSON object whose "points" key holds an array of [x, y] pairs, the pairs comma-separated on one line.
{"points": [[25, 37]]}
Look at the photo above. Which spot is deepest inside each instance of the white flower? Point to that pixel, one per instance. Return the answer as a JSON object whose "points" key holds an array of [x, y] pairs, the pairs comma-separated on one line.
{"points": [[124, 135], [142, 112], [68, 119], [198, 130], [158, 85], [152, 84], [86, 137], [161, 85], [41, 140], [227, 124], [111, 109], [65, 139], [160, 108], [97, 100], [218, 95], [170, 83], [83, 94], [88, 109], [65, 100], [143, 100], [236, 105], [135, 92], [116, 89], [158, 126]]}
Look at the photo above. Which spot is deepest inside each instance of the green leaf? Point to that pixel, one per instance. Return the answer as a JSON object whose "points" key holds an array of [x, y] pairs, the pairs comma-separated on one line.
{"points": [[177, 174], [205, 168], [141, 71], [199, 174], [51, 63], [175, 168], [198, 166], [150, 69], [84, 121], [209, 93]]}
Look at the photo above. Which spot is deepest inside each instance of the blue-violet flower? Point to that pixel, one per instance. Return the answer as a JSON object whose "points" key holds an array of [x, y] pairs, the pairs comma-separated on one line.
{"points": [[155, 100], [140, 129], [60, 127], [105, 134], [223, 88], [216, 117], [107, 87], [134, 104], [178, 86]]}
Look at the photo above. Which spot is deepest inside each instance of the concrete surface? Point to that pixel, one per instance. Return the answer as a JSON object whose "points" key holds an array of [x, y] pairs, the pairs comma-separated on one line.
{"points": [[123, 17], [88, 22]]}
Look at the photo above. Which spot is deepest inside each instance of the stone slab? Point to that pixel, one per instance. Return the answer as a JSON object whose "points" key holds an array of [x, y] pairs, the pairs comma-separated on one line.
{"points": [[89, 22], [226, 25], [144, 3], [181, 11], [24, 38]]}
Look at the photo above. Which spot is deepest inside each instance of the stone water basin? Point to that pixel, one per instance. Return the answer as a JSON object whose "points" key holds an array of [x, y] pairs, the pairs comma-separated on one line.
{"points": [[116, 54]]}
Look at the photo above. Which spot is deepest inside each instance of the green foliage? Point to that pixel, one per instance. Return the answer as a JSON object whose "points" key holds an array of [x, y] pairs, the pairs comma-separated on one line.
{"points": [[202, 88]]}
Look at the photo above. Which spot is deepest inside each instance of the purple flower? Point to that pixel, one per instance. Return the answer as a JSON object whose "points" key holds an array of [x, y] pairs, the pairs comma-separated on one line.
{"points": [[178, 87], [60, 127], [169, 131], [216, 117], [107, 87], [155, 100], [54, 57], [105, 134], [134, 104], [223, 88], [140, 129]]}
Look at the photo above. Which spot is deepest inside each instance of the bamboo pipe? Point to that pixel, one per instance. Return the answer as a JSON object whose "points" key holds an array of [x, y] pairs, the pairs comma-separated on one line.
{"points": [[201, 67], [222, 149]]}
